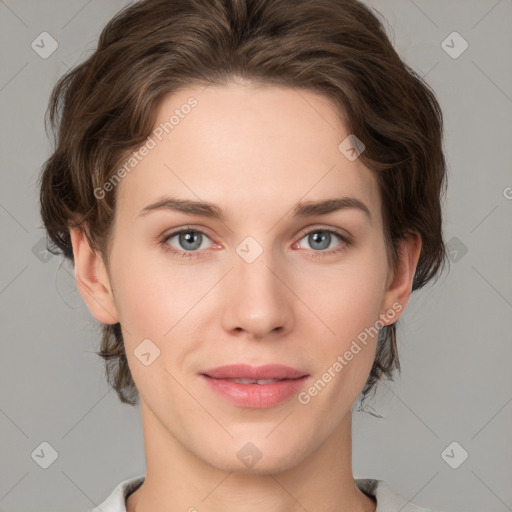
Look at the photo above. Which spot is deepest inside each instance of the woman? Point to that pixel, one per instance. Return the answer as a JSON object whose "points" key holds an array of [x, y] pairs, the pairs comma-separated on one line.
{"points": [[249, 191]]}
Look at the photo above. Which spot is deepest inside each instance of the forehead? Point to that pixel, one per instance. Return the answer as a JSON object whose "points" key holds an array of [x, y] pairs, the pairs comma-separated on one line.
{"points": [[248, 148]]}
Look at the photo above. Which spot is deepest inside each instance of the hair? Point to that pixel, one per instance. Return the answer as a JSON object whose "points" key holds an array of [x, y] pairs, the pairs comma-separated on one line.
{"points": [[106, 106]]}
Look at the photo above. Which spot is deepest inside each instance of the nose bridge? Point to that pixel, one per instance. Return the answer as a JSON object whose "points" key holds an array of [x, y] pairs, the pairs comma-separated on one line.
{"points": [[259, 301]]}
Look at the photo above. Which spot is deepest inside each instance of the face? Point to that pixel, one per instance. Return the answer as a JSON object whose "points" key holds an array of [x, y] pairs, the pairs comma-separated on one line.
{"points": [[260, 284]]}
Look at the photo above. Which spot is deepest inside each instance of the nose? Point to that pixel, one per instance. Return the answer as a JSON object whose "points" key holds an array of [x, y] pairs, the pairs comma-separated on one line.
{"points": [[258, 300]]}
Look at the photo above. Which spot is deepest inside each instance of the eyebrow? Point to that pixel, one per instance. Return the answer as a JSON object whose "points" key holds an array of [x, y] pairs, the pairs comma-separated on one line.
{"points": [[302, 209]]}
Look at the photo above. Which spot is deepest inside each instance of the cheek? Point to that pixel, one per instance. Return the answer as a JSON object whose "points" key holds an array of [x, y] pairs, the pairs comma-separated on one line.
{"points": [[155, 302], [344, 357], [349, 305], [150, 309], [350, 297], [149, 299]]}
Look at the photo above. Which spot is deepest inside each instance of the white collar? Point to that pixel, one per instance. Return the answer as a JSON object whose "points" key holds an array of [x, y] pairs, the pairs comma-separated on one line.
{"points": [[387, 497]]}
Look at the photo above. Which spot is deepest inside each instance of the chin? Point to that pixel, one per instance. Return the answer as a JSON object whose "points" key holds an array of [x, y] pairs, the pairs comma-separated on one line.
{"points": [[258, 457], [264, 466]]}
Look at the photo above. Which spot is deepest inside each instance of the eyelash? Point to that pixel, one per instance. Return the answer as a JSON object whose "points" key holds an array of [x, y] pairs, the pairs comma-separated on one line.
{"points": [[346, 242]]}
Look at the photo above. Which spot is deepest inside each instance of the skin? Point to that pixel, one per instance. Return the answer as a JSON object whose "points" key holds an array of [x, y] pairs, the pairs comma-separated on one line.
{"points": [[255, 152]]}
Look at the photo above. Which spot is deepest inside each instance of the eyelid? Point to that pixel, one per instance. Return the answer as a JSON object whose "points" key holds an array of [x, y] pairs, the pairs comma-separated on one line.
{"points": [[187, 227], [319, 227]]}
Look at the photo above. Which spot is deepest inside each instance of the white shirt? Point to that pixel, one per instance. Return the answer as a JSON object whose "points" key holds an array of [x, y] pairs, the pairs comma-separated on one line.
{"points": [[387, 497]]}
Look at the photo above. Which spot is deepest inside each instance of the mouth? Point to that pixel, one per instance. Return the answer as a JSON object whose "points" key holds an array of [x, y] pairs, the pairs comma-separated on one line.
{"points": [[255, 386]]}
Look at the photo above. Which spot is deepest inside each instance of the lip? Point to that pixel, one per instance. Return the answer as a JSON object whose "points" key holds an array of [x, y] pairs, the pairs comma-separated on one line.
{"points": [[256, 396], [246, 371]]}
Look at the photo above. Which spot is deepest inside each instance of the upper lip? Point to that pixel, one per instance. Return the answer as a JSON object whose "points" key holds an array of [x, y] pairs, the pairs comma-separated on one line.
{"points": [[245, 371]]}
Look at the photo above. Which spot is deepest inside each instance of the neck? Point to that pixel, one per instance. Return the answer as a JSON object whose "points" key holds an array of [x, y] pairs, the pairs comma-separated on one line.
{"points": [[177, 479]]}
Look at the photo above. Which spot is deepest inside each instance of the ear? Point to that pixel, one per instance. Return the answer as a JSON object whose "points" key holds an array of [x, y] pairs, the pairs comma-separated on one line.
{"points": [[399, 283], [92, 279]]}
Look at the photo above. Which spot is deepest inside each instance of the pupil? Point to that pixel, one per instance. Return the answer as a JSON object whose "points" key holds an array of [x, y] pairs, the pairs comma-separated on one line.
{"points": [[189, 237], [322, 238]]}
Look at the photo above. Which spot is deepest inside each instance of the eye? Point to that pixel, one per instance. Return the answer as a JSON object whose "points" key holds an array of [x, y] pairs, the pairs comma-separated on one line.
{"points": [[322, 238], [189, 241]]}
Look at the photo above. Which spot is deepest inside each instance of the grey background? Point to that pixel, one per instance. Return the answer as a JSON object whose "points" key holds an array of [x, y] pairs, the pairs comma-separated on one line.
{"points": [[454, 338]]}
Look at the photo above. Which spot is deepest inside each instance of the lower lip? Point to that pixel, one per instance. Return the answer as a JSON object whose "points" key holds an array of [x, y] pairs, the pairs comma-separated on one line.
{"points": [[257, 396]]}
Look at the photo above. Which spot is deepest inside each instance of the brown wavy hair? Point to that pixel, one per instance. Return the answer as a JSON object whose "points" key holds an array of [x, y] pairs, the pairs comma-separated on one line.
{"points": [[104, 108]]}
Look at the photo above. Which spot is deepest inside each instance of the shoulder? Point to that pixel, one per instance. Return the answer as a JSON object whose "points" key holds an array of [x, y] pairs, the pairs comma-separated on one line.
{"points": [[116, 501], [388, 498]]}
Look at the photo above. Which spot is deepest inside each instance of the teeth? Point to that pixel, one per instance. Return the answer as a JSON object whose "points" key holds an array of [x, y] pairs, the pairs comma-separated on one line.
{"points": [[253, 381]]}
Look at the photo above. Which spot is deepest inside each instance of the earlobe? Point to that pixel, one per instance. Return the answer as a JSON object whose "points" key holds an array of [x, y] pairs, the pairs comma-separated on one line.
{"points": [[399, 284], [92, 279]]}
